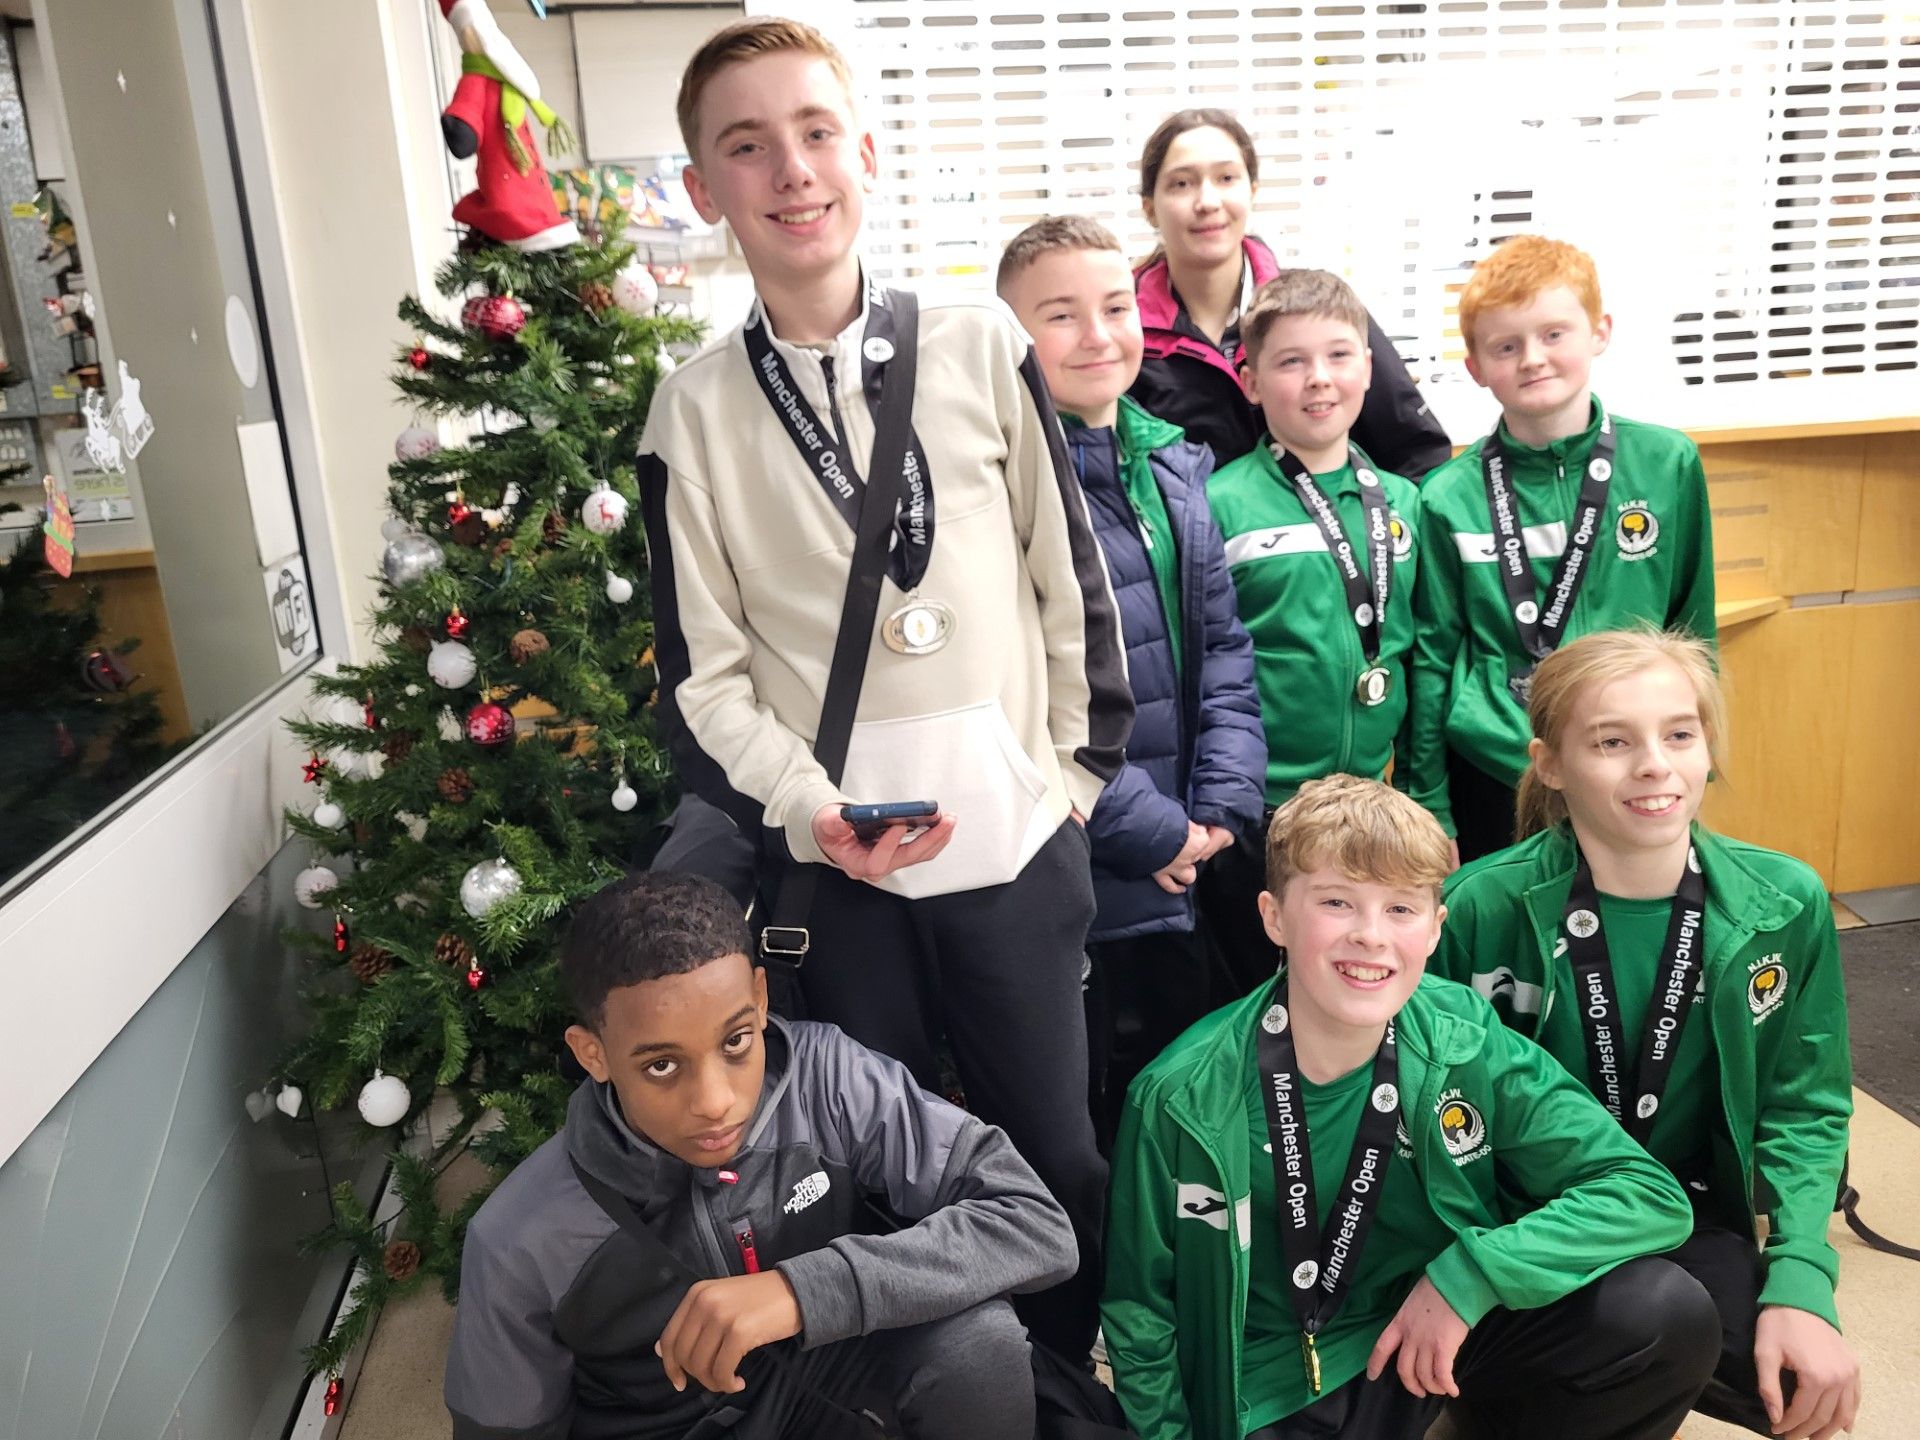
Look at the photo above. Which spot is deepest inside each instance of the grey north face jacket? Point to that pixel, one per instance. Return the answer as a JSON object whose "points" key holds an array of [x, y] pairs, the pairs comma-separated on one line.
{"points": [[560, 1308]]}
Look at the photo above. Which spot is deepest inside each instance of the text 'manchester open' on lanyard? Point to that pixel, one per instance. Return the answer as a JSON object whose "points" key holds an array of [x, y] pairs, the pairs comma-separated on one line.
{"points": [[1667, 1010], [1542, 630], [825, 451], [1320, 1270], [1367, 605]]}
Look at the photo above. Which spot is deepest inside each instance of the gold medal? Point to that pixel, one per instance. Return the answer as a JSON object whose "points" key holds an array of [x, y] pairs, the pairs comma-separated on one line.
{"points": [[1310, 1358]]}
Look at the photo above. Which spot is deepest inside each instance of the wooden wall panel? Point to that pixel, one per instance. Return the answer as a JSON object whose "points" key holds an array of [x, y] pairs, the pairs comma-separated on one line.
{"points": [[1786, 514], [131, 604], [1787, 676], [1878, 839], [1890, 518]]}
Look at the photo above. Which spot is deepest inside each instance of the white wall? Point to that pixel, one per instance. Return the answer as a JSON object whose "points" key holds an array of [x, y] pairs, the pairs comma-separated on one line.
{"points": [[363, 201]]}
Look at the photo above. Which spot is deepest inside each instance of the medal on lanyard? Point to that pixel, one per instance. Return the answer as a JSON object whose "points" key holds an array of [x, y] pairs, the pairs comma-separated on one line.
{"points": [[1367, 604], [1320, 1270], [1672, 1002], [1540, 630], [921, 625]]}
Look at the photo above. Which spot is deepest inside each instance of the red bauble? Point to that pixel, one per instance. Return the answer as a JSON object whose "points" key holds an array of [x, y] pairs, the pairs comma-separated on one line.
{"points": [[457, 626], [498, 317], [419, 357], [340, 935], [373, 722], [457, 511], [476, 977], [489, 724]]}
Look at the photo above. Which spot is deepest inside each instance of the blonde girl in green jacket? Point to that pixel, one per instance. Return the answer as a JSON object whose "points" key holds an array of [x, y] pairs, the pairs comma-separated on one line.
{"points": [[1693, 983]]}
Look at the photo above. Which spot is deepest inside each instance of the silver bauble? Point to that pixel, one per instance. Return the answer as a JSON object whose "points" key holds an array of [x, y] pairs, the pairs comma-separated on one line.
{"points": [[624, 797], [384, 1100], [486, 885], [312, 886], [412, 557], [451, 664]]}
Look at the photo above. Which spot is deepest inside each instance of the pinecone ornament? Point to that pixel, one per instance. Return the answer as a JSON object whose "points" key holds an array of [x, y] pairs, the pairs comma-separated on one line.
{"points": [[502, 548], [455, 785], [469, 530], [596, 297], [369, 963], [398, 745], [417, 638], [400, 1259], [453, 952], [527, 645], [553, 527]]}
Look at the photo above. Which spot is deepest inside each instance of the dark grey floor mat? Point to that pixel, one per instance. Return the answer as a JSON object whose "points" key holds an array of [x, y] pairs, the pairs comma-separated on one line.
{"points": [[1882, 965]]}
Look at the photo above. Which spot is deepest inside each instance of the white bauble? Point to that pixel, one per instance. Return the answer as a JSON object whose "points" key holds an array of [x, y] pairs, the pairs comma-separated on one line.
{"points": [[624, 797], [604, 512], [619, 588], [416, 442], [329, 814], [451, 664], [666, 362], [448, 724], [411, 557], [393, 527], [384, 1100], [486, 885], [312, 886], [352, 764], [289, 1100], [635, 290], [259, 1105]]}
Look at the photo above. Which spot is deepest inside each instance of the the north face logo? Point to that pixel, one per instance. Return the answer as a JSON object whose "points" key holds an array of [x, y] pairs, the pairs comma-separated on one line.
{"points": [[806, 1192]]}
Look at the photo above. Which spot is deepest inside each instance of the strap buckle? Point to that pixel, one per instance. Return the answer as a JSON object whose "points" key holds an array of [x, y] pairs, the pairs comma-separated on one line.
{"points": [[787, 943]]}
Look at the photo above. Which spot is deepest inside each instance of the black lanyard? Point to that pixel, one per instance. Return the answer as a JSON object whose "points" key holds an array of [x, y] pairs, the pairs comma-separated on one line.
{"points": [[1541, 630], [1667, 1009], [1320, 1269], [1367, 605], [912, 545]]}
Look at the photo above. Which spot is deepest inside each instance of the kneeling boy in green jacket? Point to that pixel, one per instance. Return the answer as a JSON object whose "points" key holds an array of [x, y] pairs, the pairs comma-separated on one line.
{"points": [[1355, 1197]]}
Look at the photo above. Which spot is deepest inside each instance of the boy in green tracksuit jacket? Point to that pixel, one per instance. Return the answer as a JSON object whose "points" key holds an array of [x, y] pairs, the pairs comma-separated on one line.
{"points": [[1565, 520], [1324, 549], [1693, 983], [1356, 1171]]}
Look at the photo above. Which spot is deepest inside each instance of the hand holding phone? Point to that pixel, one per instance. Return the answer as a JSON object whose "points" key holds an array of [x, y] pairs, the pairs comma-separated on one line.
{"points": [[869, 822]]}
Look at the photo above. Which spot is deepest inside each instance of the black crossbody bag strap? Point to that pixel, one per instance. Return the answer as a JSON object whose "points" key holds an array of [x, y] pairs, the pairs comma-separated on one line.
{"points": [[784, 940]]}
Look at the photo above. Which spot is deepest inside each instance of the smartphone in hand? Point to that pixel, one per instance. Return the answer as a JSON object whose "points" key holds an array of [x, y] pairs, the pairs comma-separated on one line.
{"points": [[869, 822]]}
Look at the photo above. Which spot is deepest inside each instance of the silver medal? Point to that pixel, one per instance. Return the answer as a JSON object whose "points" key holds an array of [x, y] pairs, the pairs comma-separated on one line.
{"points": [[1373, 685], [918, 627]]}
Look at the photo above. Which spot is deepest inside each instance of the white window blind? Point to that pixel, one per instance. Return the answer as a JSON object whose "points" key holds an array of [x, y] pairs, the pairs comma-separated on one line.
{"points": [[1746, 172]]}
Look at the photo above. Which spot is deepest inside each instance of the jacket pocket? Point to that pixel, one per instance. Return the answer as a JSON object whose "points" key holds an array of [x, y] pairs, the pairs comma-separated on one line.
{"points": [[969, 761]]}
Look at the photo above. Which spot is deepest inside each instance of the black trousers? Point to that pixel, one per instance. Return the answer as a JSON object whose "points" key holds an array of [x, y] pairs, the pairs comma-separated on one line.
{"points": [[967, 1376], [1620, 1359], [1229, 902], [1482, 809], [1729, 1266], [997, 971], [1141, 993]]}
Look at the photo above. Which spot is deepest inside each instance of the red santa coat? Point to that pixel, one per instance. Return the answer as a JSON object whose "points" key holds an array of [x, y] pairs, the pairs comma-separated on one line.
{"points": [[506, 205]]}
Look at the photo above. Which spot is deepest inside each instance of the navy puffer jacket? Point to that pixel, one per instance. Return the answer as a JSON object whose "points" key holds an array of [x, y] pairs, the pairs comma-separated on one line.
{"points": [[1197, 750]]}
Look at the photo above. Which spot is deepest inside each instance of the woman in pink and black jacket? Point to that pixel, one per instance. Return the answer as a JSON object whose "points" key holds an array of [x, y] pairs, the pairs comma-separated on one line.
{"points": [[1197, 178]]}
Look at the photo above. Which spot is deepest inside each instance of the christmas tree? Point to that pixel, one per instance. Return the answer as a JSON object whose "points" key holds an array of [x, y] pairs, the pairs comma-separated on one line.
{"points": [[497, 762], [74, 735]]}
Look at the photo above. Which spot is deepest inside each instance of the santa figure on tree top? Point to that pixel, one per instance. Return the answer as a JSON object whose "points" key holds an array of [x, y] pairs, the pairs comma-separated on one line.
{"points": [[512, 200]]}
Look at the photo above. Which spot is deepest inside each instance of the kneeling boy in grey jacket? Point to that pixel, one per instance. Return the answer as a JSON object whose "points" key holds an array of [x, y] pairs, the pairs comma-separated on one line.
{"points": [[693, 1253]]}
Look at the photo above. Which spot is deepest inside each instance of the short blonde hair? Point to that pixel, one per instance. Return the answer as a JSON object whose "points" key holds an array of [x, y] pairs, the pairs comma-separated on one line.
{"points": [[1319, 293], [1519, 270], [1570, 672], [1365, 830], [749, 40]]}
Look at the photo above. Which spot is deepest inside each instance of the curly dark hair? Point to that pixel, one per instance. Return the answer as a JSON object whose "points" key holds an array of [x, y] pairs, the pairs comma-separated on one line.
{"points": [[645, 927]]}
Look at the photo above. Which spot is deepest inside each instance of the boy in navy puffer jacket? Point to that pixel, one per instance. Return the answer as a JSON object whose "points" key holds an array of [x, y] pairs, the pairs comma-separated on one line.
{"points": [[1191, 784]]}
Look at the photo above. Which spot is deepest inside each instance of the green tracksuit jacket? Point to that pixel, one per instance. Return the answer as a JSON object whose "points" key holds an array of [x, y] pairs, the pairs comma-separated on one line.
{"points": [[1654, 562], [1579, 1199], [1306, 649], [1778, 1012]]}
